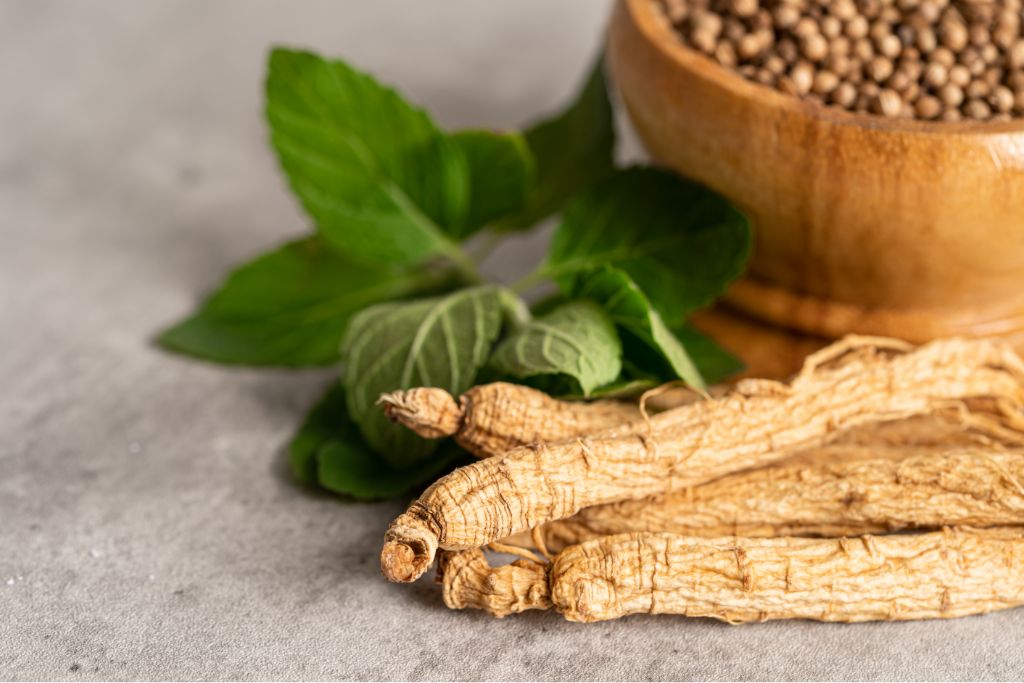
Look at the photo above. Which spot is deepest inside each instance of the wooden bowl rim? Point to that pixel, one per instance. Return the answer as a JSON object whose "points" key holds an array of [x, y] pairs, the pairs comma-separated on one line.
{"points": [[654, 26]]}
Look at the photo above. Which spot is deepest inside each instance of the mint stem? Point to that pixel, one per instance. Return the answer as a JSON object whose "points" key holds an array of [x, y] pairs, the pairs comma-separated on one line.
{"points": [[539, 276], [464, 265]]}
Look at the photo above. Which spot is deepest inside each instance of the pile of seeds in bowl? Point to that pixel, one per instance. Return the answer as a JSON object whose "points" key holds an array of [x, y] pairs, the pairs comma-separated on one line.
{"points": [[926, 59]]}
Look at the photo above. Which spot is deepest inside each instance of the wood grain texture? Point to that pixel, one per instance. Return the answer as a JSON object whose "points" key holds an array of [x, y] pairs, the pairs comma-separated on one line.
{"points": [[895, 227]]}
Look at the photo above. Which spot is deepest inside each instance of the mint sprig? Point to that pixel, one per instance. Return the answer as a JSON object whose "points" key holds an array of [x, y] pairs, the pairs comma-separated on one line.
{"points": [[385, 288]]}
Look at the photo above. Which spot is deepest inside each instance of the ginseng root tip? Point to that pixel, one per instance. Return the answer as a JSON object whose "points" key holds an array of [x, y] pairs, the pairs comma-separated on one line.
{"points": [[430, 412]]}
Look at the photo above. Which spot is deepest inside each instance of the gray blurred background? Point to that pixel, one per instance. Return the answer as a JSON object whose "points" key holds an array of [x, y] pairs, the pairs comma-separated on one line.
{"points": [[148, 528]]}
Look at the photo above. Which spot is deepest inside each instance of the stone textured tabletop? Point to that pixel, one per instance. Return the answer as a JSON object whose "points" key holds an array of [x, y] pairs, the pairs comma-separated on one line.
{"points": [[147, 525]]}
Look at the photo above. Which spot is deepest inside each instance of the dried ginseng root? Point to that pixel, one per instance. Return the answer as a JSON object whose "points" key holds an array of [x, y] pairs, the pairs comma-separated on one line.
{"points": [[479, 421], [938, 575], [855, 381], [846, 491], [493, 418]]}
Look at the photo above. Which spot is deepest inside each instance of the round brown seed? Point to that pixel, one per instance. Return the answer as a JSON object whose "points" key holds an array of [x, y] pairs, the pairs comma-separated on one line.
{"points": [[744, 8], [802, 75], [826, 81], [880, 69], [888, 103], [951, 95], [977, 109], [953, 33], [936, 75], [857, 27], [814, 47], [844, 95], [959, 75], [1002, 99], [928, 107]]}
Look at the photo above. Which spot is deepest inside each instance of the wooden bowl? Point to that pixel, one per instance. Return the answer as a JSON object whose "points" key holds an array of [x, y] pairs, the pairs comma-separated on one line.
{"points": [[863, 224], [766, 350]]}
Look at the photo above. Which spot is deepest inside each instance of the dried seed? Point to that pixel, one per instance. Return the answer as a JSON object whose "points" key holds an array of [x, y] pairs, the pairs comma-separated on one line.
{"points": [[814, 47], [845, 95], [1016, 56], [888, 103], [880, 69], [826, 81], [959, 75], [1002, 99], [928, 107], [936, 75], [977, 109], [744, 8], [802, 76], [951, 95], [856, 28], [889, 46], [953, 33]]}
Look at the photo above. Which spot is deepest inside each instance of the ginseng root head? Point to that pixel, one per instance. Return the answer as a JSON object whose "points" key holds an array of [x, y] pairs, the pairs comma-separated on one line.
{"points": [[430, 412], [409, 548], [470, 582]]}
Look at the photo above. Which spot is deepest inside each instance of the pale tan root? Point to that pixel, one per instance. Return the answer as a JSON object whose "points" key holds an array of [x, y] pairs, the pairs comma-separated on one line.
{"points": [[490, 419], [937, 575], [908, 488], [430, 412], [748, 503], [469, 581], [493, 418], [853, 382]]}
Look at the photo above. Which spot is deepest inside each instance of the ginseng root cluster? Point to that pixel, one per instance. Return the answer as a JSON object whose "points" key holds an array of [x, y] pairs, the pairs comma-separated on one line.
{"points": [[769, 500]]}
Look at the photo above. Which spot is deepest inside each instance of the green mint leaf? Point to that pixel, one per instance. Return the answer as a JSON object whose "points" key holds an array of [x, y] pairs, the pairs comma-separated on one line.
{"points": [[343, 467], [437, 342], [623, 388], [573, 150], [501, 172], [576, 341], [681, 243], [327, 421], [289, 307], [643, 331], [715, 363], [515, 312], [377, 176], [329, 451]]}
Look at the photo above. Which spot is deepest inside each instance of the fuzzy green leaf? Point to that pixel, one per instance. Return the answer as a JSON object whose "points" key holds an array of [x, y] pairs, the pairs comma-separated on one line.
{"points": [[329, 451], [288, 307], [680, 242], [573, 150], [642, 329], [438, 342], [377, 176], [501, 173], [576, 341]]}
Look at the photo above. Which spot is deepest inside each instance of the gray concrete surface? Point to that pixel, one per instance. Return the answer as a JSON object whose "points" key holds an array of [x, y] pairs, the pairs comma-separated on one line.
{"points": [[147, 528]]}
